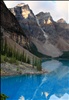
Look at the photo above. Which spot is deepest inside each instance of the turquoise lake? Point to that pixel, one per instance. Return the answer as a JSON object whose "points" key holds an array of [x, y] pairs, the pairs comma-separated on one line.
{"points": [[51, 86]]}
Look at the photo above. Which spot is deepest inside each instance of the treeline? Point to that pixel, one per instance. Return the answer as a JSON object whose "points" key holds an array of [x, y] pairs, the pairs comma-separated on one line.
{"points": [[3, 97], [65, 55], [15, 55]]}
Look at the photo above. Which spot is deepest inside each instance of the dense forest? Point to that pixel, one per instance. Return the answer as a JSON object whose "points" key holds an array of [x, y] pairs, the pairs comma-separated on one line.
{"points": [[65, 55], [8, 54]]}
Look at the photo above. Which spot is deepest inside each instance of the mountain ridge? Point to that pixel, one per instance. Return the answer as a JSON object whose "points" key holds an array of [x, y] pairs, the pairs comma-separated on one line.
{"points": [[12, 32], [51, 36], [47, 26]]}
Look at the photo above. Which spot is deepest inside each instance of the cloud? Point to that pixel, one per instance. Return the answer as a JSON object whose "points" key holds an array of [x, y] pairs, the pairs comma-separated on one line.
{"points": [[62, 9], [58, 9], [64, 97]]}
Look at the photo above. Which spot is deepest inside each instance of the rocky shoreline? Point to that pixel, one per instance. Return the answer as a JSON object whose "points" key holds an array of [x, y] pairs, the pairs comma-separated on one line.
{"points": [[8, 69]]}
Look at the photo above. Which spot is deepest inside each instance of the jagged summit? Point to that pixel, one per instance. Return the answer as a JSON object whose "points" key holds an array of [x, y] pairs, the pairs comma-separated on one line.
{"points": [[41, 14], [47, 13], [40, 27], [21, 4], [45, 18], [27, 20], [61, 21], [21, 10]]}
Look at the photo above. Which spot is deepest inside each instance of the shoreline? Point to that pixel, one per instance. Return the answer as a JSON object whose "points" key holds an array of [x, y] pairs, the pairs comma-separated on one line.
{"points": [[31, 73], [8, 69], [37, 73]]}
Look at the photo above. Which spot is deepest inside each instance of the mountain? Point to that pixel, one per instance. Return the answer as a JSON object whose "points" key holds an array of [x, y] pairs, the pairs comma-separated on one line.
{"points": [[38, 36], [13, 34], [9, 22], [61, 21], [46, 22], [56, 31], [27, 20]]}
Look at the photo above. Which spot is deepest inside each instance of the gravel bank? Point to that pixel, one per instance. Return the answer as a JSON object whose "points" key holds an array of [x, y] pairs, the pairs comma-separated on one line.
{"points": [[8, 69]]}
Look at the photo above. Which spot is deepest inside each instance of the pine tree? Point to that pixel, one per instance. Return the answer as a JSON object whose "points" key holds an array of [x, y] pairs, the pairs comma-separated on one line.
{"points": [[28, 60], [33, 62], [39, 68], [5, 46], [25, 58]]}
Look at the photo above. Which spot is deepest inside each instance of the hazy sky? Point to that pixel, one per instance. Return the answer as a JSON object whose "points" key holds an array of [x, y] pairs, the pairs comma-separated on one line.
{"points": [[57, 9]]}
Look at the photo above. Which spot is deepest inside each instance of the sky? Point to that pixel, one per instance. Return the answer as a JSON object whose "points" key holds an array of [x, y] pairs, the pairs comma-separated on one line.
{"points": [[57, 9]]}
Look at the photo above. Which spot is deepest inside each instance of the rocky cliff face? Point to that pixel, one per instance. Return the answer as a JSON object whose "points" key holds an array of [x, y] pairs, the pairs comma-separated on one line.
{"points": [[30, 22], [12, 31], [15, 36], [8, 21], [61, 21], [35, 26], [56, 31], [9, 24], [50, 37], [27, 20], [47, 25]]}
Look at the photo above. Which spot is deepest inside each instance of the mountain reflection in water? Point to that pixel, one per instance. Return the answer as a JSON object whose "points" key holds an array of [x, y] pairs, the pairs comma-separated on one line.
{"points": [[51, 86]]}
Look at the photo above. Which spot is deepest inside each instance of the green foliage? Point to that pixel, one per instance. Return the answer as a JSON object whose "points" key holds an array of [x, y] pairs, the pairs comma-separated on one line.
{"points": [[17, 68], [2, 58], [39, 68], [3, 97], [65, 55], [33, 62], [13, 56], [12, 60], [5, 58], [24, 58], [37, 62], [28, 60]]}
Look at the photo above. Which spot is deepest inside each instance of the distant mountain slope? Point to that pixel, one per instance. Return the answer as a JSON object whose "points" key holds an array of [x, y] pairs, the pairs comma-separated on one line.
{"points": [[13, 33], [31, 23], [58, 32], [27, 20], [9, 22]]}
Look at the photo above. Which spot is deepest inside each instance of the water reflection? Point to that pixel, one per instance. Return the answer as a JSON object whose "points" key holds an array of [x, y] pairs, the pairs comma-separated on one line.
{"points": [[51, 65], [60, 73], [21, 98], [64, 97], [52, 86]]}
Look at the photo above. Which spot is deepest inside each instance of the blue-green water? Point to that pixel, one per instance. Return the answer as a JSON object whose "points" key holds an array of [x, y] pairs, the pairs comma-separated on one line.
{"points": [[52, 86]]}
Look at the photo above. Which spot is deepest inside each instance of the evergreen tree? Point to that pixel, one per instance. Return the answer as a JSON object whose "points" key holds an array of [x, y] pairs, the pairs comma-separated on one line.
{"points": [[5, 46], [1, 45], [33, 62], [39, 65], [28, 60], [24, 57], [16, 55], [3, 97]]}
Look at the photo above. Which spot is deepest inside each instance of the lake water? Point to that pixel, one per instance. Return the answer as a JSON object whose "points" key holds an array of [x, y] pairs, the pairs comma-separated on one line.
{"points": [[52, 86]]}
